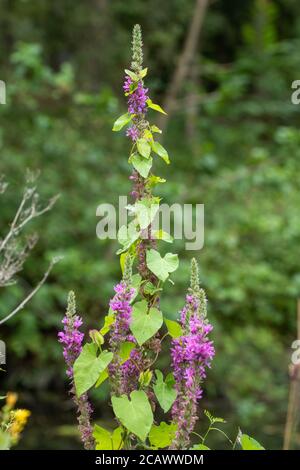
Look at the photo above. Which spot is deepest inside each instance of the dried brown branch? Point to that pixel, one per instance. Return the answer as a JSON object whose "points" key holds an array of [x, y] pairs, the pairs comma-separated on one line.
{"points": [[32, 293], [14, 249]]}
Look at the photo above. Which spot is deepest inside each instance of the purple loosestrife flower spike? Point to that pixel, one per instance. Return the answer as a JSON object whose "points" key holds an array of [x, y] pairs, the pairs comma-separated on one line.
{"points": [[123, 376], [71, 337], [191, 354]]}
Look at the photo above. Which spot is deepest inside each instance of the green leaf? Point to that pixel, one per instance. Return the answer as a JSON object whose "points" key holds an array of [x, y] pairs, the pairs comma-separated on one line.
{"points": [[164, 391], [146, 210], [143, 147], [135, 414], [142, 165], [145, 323], [102, 377], [161, 267], [136, 283], [154, 180], [156, 107], [161, 151], [127, 236], [132, 75], [162, 235], [174, 329], [109, 320], [143, 73], [199, 447], [106, 440], [88, 366], [162, 436], [122, 121], [213, 419], [248, 443], [151, 289], [125, 350], [156, 129]]}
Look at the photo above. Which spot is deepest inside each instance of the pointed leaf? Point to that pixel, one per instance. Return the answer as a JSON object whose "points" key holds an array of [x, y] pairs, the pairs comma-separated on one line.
{"points": [[164, 392], [161, 151], [174, 329], [122, 121], [248, 443], [156, 107], [132, 75]]}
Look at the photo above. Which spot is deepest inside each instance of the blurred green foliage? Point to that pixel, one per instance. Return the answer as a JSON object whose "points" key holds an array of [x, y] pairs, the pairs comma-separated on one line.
{"points": [[62, 63]]}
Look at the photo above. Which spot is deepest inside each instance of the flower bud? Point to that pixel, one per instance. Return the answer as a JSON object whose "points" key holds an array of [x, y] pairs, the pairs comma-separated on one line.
{"points": [[145, 378], [96, 337]]}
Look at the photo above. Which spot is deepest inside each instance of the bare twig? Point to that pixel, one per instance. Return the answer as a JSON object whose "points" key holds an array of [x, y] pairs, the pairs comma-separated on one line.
{"points": [[33, 292], [14, 252], [13, 249], [25, 215]]}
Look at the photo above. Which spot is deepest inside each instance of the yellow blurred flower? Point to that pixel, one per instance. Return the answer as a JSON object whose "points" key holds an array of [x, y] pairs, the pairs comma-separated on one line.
{"points": [[11, 399], [19, 419]]}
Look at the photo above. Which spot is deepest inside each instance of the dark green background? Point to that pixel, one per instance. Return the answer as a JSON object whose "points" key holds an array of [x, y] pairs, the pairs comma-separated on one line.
{"points": [[238, 153]]}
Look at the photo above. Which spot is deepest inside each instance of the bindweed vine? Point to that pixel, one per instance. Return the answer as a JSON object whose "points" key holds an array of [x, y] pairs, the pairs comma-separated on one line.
{"points": [[125, 350]]}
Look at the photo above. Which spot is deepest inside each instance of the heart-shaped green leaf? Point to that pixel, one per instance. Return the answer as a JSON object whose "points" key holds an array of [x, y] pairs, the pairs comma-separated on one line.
{"points": [[135, 414], [146, 210], [106, 440], [161, 267], [145, 322], [164, 391], [127, 236], [162, 436], [141, 164], [88, 366]]}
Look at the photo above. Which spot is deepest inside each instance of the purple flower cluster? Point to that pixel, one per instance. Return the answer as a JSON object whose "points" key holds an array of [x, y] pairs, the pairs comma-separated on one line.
{"points": [[191, 354], [122, 309], [124, 376], [133, 133], [71, 337], [130, 372], [136, 98]]}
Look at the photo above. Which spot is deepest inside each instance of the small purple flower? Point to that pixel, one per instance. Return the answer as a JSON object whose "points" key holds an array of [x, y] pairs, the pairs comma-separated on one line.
{"points": [[127, 84], [191, 354], [137, 98], [133, 133], [71, 338], [124, 376]]}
